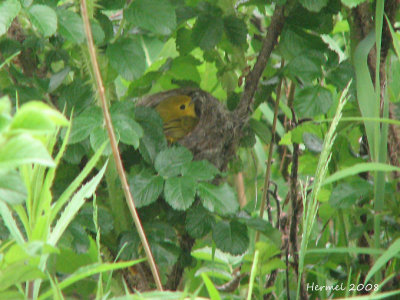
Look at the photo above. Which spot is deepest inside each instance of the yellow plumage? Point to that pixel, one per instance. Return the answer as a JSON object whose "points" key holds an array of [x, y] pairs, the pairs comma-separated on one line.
{"points": [[178, 115]]}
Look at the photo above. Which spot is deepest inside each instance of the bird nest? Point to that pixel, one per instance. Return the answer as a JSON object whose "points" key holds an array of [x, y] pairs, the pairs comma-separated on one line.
{"points": [[218, 131]]}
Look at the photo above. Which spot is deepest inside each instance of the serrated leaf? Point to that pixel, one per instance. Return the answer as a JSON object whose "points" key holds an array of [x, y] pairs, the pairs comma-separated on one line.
{"points": [[235, 30], [127, 57], [199, 221], [157, 16], [200, 170], [295, 41], [179, 192], [184, 67], [220, 199], [44, 18], [207, 31], [262, 226], [345, 194], [122, 116], [231, 237], [184, 42], [85, 123], [314, 5], [312, 101], [24, 149], [146, 188], [97, 138], [12, 188], [153, 140], [97, 31], [9, 9], [306, 66], [170, 162], [71, 26], [166, 253]]}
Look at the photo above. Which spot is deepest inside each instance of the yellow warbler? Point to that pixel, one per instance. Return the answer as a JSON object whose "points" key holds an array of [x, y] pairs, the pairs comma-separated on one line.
{"points": [[178, 115]]}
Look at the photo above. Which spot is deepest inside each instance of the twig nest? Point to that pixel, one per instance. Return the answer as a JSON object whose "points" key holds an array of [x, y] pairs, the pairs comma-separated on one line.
{"points": [[218, 131]]}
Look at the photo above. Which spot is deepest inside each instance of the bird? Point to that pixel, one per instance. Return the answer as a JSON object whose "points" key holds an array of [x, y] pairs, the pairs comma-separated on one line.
{"points": [[179, 116]]}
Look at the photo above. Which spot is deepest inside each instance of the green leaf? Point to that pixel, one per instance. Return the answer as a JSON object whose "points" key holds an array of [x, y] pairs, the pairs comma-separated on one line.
{"points": [[76, 183], [352, 3], [306, 66], [184, 42], [5, 106], [359, 168], [143, 85], [44, 18], [9, 9], [366, 96], [312, 142], [123, 120], [199, 221], [321, 22], [98, 137], [235, 30], [200, 170], [127, 57], [211, 289], [37, 117], [85, 123], [57, 79], [145, 187], [24, 149], [382, 261], [345, 194], [314, 5], [170, 162], [17, 273], [341, 75], [87, 271], [294, 41], [179, 192], [12, 188], [220, 199], [72, 208], [153, 140], [157, 16], [312, 101], [97, 31], [207, 31], [71, 26], [165, 253], [184, 67], [231, 237], [261, 130]]}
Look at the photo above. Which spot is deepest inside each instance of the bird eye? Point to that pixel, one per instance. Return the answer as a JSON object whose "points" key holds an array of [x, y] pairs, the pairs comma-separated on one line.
{"points": [[182, 107]]}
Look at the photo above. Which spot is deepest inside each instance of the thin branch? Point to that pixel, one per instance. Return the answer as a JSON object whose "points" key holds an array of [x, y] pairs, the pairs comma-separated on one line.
{"points": [[254, 76], [294, 199], [114, 146], [269, 161]]}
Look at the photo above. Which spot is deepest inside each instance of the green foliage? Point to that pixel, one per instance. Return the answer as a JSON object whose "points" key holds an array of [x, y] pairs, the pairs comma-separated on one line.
{"points": [[63, 214]]}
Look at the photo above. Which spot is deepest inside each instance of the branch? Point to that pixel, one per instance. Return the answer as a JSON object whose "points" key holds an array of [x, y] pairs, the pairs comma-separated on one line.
{"points": [[114, 145], [252, 79]]}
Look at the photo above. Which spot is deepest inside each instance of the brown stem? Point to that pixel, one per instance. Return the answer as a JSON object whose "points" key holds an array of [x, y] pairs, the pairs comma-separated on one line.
{"points": [[296, 204], [254, 76], [269, 161], [239, 183], [114, 146]]}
